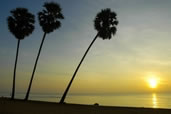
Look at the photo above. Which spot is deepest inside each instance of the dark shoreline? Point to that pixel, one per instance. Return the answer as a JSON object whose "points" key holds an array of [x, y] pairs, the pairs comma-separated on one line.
{"points": [[18, 106]]}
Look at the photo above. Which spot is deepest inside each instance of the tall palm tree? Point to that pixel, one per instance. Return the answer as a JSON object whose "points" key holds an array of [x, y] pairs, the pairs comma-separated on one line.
{"points": [[105, 23], [49, 21], [20, 24]]}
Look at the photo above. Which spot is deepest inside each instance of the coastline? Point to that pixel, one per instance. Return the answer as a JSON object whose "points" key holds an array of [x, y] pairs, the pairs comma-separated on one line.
{"points": [[18, 106]]}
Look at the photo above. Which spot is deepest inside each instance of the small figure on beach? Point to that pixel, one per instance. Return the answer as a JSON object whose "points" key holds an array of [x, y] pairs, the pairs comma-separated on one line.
{"points": [[96, 104]]}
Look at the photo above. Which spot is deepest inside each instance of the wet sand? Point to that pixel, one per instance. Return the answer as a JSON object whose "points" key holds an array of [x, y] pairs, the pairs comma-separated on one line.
{"points": [[8, 106]]}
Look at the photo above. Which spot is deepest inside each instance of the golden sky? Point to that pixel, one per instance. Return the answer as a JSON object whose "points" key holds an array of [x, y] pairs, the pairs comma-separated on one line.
{"points": [[139, 50]]}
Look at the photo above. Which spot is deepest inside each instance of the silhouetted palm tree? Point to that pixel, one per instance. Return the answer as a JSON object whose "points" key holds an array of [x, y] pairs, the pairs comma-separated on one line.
{"points": [[49, 21], [20, 24], [105, 23]]}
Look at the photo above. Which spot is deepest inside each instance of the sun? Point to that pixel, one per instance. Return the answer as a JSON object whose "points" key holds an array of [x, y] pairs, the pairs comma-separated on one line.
{"points": [[153, 82]]}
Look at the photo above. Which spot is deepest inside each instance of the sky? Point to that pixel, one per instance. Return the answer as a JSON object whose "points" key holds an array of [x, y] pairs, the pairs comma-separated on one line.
{"points": [[140, 50]]}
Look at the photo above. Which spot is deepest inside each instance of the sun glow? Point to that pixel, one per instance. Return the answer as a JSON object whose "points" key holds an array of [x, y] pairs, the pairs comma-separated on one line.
{"points": [[153, 82]]}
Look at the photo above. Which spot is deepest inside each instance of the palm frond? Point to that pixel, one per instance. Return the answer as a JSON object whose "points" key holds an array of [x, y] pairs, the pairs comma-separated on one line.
{"points": [[21, 23], [49, 17], [105, 23]]}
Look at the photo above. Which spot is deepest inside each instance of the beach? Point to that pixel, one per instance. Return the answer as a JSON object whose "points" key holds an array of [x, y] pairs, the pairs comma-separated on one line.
{"points": [[8, 106]]}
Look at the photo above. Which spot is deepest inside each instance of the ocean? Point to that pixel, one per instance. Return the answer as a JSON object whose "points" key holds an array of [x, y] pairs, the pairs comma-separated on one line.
{"points": [[153, 100]]}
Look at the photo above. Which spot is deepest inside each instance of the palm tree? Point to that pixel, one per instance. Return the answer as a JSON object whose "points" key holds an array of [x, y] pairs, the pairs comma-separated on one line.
{"points": [[105, 23], [49, 21], [20, 24]]}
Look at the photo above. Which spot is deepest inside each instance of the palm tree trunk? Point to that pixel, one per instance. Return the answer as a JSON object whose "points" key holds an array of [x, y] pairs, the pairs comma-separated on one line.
{"points": [[67, 89], [34, 69], [15, 66]]}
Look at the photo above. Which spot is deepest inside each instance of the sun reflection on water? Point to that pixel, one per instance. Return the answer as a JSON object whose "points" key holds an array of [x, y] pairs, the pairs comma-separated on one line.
{"points": [[154, 100]]}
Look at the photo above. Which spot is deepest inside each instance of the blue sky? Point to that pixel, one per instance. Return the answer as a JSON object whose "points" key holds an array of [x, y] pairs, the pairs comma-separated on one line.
{"points": [[140, 47]]}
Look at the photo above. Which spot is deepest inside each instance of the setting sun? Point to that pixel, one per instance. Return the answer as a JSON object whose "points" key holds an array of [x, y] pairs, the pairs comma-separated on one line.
{"points": [[152, 82]]}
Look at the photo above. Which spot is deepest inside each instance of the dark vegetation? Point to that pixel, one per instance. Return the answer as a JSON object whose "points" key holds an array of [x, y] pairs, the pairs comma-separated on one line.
{"points": [[21, 24]]}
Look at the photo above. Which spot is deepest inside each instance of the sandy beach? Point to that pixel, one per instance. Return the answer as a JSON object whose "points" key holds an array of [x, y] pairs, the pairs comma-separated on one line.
{"points": [[8, 106]]}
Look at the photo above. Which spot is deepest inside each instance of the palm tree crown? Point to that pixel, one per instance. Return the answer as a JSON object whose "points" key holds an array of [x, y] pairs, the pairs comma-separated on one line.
{"points": [[21, 23], [49, 17], [105, 23]]}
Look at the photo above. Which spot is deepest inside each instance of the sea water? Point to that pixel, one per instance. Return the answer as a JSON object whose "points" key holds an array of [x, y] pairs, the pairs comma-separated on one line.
{"points": [[153, 100]]}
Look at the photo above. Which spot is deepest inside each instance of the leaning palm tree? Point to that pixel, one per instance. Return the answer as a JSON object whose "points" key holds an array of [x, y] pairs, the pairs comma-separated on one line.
{"points": [[105, 23], [49, 21], [20, 24]]}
